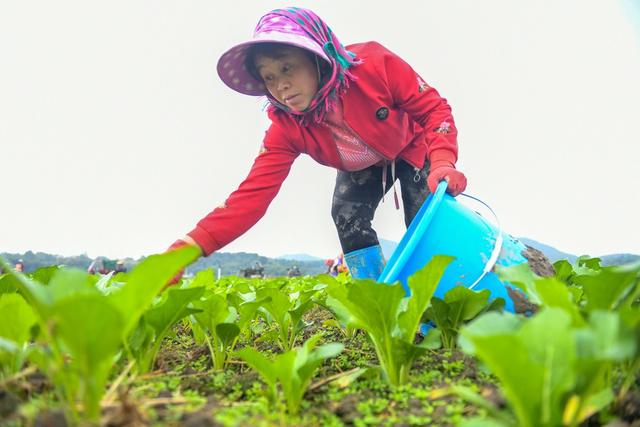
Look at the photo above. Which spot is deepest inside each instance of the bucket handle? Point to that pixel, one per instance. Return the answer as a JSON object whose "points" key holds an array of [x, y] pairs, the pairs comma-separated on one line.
{"points": [[497, 247]]}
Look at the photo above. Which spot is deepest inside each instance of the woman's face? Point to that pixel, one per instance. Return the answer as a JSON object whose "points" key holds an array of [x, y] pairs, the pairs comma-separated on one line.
{"points": [[291, 78]]}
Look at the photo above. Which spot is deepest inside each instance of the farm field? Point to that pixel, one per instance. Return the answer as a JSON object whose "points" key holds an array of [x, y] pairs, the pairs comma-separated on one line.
{"points": [[117, 350]]}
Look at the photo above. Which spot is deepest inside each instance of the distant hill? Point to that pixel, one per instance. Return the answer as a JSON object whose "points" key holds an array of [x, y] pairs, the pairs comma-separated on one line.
{"points": [[300, 257], [232, 263], [619, 259], [229, 263], [552, 253], [34, 260], [388, 246]]}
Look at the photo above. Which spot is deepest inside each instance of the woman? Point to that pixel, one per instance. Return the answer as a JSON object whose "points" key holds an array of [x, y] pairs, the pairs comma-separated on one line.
{"points": [[361, 110]]}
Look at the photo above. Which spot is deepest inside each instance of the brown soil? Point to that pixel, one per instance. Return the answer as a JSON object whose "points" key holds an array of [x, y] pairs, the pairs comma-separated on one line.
{"points": [[127, 414], [438, 358], [198, 352], [346, 409], [202, 417], [168, 359], [521, 304], [33, 384], [39, 382], [538, 262], [244, 381], [55, 418], [9, 403], [628, 408], [493, 395], [315, 319], [542, 267], [441, 410], [198, 383]]}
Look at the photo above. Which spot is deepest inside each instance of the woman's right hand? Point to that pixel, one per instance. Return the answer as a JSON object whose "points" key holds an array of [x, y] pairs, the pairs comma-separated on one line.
{"points": [[456, 181], [180, 243]]}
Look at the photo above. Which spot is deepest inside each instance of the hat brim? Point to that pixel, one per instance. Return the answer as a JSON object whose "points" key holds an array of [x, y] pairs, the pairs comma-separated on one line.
{"points": [[233, 71]]}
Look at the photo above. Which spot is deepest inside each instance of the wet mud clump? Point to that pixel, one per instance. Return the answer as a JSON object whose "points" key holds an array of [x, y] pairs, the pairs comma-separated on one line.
{"points": [[538, 262], [541, 266], [521, 303]]}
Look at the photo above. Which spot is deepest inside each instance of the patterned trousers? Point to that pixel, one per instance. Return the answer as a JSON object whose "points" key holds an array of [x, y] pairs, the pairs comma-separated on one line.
{"points": [[357, 195]]}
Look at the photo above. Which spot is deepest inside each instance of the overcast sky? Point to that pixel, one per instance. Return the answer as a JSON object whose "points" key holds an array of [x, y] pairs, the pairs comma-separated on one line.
{"points": [[117, 135]]}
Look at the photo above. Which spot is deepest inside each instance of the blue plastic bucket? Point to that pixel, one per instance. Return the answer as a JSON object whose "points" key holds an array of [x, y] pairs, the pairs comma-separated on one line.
{"points": [[443, 226]]}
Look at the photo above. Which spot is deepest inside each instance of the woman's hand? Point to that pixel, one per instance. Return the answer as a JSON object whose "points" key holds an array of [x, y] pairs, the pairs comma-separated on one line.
{"points": [[180, 243], [456, 180]]}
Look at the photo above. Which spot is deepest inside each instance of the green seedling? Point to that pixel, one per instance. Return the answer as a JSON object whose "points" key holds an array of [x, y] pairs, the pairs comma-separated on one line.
{"points": [[157, 322], [15, 332], [389, 318], [292, 370], [551, 371], [83, 329], [285, 310], [460, 305], [215, 326]]}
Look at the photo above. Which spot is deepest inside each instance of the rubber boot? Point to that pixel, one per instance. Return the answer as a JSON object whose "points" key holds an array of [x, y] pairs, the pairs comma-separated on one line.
{"points": [[365, 263]]}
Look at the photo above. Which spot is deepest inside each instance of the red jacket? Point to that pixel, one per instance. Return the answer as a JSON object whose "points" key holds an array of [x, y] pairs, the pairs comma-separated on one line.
{"points": [[388, 105]]}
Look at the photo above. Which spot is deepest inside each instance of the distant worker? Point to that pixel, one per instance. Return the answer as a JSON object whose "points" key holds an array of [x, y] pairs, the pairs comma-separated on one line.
{"points": [[96, 266], [255, 272], [120, 267], [329, 264], [19, 266], [337, 265], [342, 266], [105, 266], [293, 271]]}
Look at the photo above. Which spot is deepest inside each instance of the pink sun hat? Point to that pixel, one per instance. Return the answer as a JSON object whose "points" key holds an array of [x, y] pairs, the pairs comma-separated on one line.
{"points": [[271, 28]]}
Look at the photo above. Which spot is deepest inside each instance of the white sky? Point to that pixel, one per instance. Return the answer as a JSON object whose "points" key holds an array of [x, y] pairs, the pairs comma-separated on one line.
{"points": [[117, 136]]}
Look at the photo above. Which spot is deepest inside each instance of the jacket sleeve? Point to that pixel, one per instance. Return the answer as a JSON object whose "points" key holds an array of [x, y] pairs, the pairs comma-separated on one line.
{"points": [[245, 206], [424, 105]]}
